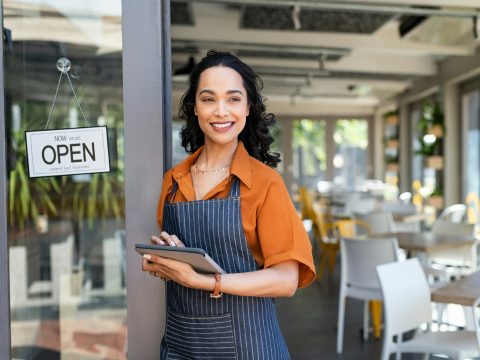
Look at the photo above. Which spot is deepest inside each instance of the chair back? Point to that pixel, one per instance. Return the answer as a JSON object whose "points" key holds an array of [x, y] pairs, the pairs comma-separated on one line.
{"points": [[453, 213], [465, 256], [380, 222], [473, 204], [350, 228], [400, 208], [406, 296], [360, 206], [320, 230], [448, 228], [360, 258], [306, 203]]}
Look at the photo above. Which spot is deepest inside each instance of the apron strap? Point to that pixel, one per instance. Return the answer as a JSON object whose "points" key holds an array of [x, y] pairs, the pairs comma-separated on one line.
{"points": [[172, 193], [235, 188]]}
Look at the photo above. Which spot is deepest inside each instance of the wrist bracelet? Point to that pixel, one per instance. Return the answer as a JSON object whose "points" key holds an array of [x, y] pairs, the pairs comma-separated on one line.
{"points": [[216, 291]]}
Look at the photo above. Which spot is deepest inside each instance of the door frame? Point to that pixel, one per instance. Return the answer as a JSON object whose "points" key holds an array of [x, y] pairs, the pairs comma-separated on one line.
{"points": [[147, 124], [5, 332]]}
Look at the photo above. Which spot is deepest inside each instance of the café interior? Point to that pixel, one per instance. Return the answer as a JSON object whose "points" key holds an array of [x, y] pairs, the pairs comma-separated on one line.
{"points": [[378, 126], [378, 122]]}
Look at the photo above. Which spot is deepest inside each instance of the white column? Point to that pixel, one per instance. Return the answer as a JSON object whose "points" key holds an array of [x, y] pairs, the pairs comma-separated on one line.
{"points": [[287, 149], [452, 149]]}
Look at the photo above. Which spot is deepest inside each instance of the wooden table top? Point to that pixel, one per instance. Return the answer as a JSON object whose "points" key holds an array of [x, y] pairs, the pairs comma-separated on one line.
{"points": [[428, 241], [462, 292]]}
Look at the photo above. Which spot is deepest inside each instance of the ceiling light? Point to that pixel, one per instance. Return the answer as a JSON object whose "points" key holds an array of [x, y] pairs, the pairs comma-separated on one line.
{"points": [[296, 17]]}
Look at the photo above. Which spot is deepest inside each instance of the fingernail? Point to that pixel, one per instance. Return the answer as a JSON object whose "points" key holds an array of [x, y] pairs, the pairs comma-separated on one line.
{"points": [[147, 256], [172, 243]]}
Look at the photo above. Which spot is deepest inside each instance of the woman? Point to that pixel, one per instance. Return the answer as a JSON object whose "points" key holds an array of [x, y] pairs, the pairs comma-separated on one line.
{"points": [[226, 199]]}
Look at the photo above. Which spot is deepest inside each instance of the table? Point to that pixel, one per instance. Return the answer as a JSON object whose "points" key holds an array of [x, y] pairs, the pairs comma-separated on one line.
{"points": [[462, 292], [428, 241]]}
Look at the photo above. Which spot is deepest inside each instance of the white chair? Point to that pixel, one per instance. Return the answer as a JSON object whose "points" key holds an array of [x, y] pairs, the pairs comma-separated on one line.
{"points": [[381, 222], [406, 298], [360, 205], [406, 211], [453, 213], [463, 259], [358, 277]]}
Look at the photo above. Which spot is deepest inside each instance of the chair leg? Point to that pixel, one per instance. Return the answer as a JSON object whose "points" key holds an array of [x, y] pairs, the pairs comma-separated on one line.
{"points": [[340, 322], [387, 342], [469, 314], [366, 316], [376, 318]]}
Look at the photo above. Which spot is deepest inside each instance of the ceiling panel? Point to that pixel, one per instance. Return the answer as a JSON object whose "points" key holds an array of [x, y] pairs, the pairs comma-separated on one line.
{"points": [[282, 18], [181, 13]]}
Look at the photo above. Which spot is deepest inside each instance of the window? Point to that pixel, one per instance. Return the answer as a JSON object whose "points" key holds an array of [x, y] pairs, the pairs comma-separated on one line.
{"points": [[309, 158], [471, 137], [345, 163], [351, 156]]}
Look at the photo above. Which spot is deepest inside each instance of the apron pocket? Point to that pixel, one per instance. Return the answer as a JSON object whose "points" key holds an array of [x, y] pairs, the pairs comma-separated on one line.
{"points": [[200, 337]]}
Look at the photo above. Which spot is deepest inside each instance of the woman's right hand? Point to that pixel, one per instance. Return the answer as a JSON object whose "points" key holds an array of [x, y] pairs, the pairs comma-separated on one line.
{"points": [[166, 239]]}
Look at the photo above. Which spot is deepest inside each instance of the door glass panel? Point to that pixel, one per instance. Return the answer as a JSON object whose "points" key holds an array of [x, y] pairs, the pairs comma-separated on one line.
{"points": [[66, 233]]}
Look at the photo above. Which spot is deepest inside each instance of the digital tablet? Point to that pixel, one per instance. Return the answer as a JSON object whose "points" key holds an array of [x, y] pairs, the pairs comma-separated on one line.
{"points": [[196, 257]]}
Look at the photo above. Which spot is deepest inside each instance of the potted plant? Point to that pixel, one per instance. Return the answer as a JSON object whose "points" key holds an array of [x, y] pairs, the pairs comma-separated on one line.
{"points": [[29, 199], [391, 141], [436, 199], [437, 124], [391, 117], [392, 162]]}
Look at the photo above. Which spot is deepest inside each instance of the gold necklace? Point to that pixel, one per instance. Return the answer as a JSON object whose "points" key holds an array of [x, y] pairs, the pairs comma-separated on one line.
{"points": [[204, 171], [195, 185]]}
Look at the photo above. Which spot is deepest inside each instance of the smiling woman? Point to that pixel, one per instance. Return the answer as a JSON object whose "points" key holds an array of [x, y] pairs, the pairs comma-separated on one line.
{"points": [[226, 199]]}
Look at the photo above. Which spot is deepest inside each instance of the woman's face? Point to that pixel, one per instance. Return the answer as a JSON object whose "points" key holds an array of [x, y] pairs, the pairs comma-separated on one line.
{"points": [[221, 105]]}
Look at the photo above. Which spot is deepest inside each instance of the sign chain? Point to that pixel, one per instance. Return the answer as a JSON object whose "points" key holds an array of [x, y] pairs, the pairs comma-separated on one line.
{"points": [[54, 99], [64, 70]]}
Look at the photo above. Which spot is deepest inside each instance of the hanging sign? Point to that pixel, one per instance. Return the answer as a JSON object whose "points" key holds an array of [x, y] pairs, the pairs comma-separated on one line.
{"points": [[67, 151]]}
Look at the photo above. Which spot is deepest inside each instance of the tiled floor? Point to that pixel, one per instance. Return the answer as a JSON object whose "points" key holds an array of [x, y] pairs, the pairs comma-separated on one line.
{"points": [[308, 321]]}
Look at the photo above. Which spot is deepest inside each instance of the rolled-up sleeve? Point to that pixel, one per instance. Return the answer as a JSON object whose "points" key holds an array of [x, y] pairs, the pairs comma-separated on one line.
{"points": [[281, 233]]}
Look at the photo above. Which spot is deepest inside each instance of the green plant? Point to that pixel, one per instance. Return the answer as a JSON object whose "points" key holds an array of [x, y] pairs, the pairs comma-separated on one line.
{"points": [[389, 159], [99, 198], [436, 193], [432, 115], [28, 198], [390, 113], [390, 138]]}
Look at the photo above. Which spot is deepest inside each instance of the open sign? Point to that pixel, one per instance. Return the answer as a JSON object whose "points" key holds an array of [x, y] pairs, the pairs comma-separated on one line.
{"points": [[67, 151]]}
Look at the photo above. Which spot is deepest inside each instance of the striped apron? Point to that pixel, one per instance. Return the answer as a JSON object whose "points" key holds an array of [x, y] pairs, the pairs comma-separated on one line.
{"points": [[231, 327]]}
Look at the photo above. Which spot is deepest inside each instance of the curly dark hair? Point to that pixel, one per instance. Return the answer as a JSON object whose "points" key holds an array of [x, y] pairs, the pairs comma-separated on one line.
{"points": [[256, 135]]}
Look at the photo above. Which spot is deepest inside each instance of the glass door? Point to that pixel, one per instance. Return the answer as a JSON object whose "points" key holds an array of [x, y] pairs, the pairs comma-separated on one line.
{"points": [[66, 238]]}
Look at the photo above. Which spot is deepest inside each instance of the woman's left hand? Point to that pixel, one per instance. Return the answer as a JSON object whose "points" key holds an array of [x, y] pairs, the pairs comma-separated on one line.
{"points": [[169, 269]]}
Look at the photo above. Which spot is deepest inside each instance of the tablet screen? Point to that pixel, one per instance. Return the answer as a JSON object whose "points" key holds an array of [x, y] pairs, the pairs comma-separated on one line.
{"points": [[196, 257]]}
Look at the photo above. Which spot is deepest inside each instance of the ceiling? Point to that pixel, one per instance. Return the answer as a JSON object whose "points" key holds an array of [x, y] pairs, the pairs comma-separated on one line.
{"points": [[320, 57]]}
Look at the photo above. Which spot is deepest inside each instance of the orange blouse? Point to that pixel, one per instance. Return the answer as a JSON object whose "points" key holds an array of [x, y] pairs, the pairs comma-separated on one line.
{"points": [[273, 229]]}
